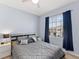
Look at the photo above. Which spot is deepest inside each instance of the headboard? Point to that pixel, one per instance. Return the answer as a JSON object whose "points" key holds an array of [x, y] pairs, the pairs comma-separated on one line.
{"points": [[16, 36]]}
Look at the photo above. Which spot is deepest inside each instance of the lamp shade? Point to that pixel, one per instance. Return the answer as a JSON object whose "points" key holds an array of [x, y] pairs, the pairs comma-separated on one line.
{"points": [[6, 35]]}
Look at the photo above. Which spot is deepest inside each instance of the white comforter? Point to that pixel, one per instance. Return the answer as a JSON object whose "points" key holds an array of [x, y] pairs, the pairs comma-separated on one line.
{"points": [[38, 50]]}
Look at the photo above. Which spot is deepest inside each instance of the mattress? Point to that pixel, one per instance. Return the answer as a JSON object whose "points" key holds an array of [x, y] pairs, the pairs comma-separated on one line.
{"points": [[37, 50]]}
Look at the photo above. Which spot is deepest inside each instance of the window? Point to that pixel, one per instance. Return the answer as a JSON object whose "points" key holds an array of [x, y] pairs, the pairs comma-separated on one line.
{"points": [[56, 26]]}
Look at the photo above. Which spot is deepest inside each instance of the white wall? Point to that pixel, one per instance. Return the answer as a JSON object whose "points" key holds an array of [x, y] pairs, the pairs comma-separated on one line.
{"points": [[75, 22], [16, 21]]}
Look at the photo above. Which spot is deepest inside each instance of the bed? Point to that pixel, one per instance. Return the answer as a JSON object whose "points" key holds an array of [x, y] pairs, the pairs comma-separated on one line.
{"points": [[37, 50]]}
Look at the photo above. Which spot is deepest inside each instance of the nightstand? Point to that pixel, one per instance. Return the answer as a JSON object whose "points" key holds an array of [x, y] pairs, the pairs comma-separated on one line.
{"points": [[5, 48]]}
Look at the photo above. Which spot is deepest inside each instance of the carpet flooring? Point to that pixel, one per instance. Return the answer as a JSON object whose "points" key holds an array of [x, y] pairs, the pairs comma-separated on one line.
{"points": [[67, 56]]}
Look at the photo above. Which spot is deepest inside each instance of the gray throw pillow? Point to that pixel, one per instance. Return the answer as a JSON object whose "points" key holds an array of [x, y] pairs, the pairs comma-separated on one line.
{"points": [[31, 40]]}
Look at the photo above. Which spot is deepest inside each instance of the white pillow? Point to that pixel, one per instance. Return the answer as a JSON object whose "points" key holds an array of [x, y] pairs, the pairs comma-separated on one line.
{"points": [[34, 38], [39, 39], [23, 42]]}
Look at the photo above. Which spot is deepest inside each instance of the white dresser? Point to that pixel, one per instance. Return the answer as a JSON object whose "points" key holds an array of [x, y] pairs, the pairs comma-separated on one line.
{"points": [[5, 47]]}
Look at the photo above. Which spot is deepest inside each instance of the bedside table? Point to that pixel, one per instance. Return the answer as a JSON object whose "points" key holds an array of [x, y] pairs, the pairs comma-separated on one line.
{"points": [[5, 49]]}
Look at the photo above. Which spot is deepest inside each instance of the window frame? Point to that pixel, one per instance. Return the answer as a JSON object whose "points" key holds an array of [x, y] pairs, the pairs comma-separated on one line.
{"points": [[54, 19]]}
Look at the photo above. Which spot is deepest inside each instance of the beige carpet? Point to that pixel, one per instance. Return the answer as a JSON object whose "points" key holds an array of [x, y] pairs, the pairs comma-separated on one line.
{"points": [[67, 56]]}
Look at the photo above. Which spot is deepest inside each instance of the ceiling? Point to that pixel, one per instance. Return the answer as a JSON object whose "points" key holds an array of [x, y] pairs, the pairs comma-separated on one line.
{"points": [[28, 6]]}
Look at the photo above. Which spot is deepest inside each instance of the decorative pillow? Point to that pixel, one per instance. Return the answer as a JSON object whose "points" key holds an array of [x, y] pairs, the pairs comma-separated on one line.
{"points": [[34, 38], [23, 42], [39, 39], [30, 40]]}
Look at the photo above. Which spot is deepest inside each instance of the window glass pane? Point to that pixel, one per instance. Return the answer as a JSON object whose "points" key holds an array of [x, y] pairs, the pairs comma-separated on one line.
{"points": [[56, 26], [62, 29], [54, 19], [61, 23], [50, 25], [50, 20], [60, 18], [58, 34]]}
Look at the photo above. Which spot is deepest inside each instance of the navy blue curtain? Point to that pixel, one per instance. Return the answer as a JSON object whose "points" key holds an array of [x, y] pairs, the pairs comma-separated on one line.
{"points": [[46, 39], [68, 40]]}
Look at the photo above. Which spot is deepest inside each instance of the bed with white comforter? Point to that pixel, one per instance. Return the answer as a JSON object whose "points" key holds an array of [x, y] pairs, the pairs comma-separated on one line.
{"points": [[37, 50]]}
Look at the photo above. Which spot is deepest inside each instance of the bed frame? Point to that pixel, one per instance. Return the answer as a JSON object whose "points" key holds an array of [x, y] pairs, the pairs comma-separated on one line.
{"points": [[27, 35]]}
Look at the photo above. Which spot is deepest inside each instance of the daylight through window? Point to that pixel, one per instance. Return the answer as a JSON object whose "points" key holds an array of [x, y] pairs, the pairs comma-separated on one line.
{"points": [[56, 26]]}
